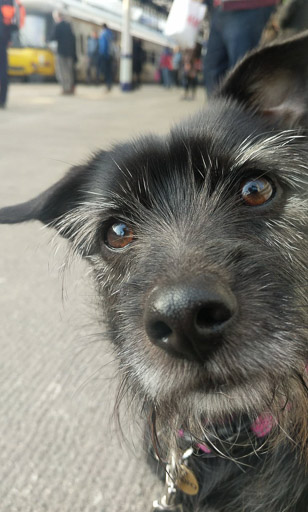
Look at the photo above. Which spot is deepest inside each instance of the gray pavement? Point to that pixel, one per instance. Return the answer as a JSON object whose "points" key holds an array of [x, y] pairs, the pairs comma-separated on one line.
{"points": [[60, 448]]}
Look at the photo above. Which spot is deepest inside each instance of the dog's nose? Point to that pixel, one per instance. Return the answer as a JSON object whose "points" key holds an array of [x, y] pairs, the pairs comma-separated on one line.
{"points": [[188, 319]]}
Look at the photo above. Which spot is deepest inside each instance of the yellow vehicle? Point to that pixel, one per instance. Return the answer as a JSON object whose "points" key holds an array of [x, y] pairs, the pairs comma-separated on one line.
{"points": [[25, 62], [29, 53]]}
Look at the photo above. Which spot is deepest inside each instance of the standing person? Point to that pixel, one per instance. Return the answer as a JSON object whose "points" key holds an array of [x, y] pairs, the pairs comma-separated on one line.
{"points": [[235, 28], [165, 66], [5, 34], [66, 53], [176, 66], [190, 70], [138, 61], [92, 51], [105, 43], [12, 16]]}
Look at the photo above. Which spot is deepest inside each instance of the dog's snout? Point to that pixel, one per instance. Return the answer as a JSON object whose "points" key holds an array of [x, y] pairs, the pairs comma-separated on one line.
{"points": [[188, 319]]}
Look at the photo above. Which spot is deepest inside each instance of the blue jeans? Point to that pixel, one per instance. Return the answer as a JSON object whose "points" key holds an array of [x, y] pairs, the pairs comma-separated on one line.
{"points": [[105, 63], [232, 34], [166, 75]]}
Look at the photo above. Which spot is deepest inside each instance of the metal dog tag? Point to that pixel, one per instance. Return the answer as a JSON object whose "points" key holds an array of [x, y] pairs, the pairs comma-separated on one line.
{"points": [[186, 481], [167, 502], [163, 506]]}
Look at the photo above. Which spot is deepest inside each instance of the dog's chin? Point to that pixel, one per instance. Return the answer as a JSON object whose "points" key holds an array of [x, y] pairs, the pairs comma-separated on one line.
{"points": [[193, 398], [214, 405], [193, 389], [221, 387], [188, 398]]}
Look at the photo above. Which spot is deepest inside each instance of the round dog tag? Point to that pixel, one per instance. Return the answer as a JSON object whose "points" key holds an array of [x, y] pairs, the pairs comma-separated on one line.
{"points": [[187, 481]]}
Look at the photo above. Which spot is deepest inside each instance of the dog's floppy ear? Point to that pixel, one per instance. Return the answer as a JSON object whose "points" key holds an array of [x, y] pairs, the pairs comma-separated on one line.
{"points": [[51, 204], [273, 81]]}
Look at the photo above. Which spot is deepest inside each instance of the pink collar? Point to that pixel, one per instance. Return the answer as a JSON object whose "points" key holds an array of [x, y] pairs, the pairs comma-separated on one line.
{"points": [[261, 427]]}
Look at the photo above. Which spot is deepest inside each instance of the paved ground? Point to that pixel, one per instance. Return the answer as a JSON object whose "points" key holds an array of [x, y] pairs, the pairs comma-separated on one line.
{"points": [[60, 450]]}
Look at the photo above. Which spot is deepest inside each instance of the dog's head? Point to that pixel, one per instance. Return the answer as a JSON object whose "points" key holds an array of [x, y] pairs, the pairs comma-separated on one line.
{"points": [[199, 246]]}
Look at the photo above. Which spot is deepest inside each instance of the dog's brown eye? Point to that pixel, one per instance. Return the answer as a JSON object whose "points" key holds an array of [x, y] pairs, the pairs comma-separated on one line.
{"points": [[256, 192], [119, 235]]}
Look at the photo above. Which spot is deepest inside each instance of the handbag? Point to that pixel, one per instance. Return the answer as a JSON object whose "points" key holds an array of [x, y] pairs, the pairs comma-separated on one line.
{"points": [[184, 21]]}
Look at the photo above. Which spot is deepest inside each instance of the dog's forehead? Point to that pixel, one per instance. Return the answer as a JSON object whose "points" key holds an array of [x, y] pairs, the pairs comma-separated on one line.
{"points": [[223, 126], [213, 135], [220, 144]]}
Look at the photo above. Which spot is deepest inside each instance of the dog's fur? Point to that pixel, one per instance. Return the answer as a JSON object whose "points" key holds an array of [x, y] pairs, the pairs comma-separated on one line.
{"points": [[181, 196]]}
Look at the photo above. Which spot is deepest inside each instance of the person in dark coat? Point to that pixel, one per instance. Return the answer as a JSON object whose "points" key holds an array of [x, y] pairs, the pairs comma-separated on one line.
{"points": [[66, 53], [138, 61], [5, 35]]}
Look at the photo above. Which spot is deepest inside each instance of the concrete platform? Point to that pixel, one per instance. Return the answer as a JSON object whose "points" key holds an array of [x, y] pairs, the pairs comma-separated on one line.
{"points": [[60, 448]]}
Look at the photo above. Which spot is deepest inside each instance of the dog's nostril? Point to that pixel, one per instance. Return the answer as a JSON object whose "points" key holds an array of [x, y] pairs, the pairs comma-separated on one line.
{"points": [[188, 319], [160, 331], [211, 315]]}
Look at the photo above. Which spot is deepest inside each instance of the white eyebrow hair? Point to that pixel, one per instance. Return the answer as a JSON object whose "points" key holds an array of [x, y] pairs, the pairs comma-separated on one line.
{"points": [[254, 146], [274, 149]]}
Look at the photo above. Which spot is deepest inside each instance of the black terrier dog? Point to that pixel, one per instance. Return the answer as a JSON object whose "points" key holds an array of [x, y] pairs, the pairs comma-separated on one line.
{"points": [[199, 246]]}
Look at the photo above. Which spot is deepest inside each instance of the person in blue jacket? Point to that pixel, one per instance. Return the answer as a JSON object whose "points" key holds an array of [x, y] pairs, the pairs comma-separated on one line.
{"points": [[105, 43]]}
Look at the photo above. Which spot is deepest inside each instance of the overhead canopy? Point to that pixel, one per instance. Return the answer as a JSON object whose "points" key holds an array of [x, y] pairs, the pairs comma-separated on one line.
{"points": [[99, 12]]}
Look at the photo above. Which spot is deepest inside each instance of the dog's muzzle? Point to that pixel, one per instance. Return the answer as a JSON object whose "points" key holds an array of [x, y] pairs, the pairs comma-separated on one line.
{"points": [[188, 319]]}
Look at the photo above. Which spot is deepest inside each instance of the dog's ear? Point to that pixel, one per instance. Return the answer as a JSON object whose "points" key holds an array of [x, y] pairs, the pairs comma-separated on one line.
{"points": [[273, 81], [53, 203]]}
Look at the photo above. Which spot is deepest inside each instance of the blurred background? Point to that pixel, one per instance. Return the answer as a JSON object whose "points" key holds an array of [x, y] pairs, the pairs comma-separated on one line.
{"points": [[77, 76]]}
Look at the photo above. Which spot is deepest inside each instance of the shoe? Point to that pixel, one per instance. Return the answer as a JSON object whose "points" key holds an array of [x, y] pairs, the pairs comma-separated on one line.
{"points": [[2, 105]]}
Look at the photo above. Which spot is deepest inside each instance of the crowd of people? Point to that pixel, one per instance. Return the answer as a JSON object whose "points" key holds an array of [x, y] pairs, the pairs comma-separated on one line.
{"points": [[100, 52], [103, 57], [236, 26], [180, 69]]}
